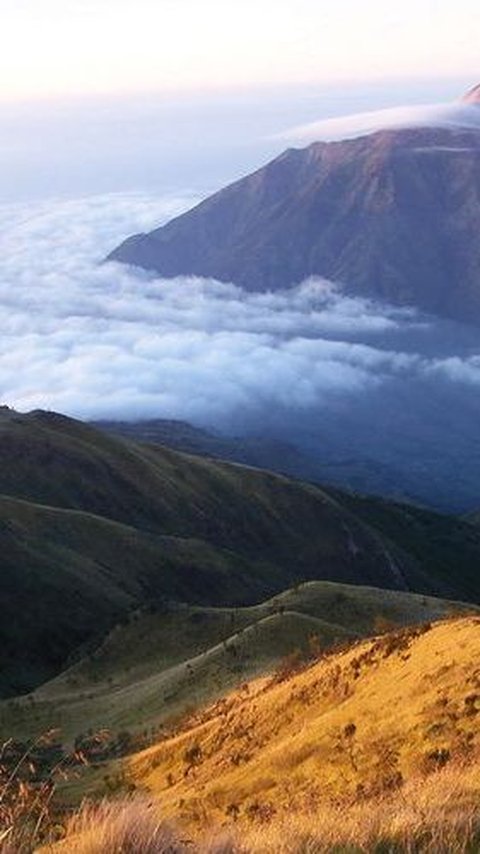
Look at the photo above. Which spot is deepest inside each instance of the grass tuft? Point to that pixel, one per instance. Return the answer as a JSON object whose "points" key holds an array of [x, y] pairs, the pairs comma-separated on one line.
{"points": [[129, 826]]}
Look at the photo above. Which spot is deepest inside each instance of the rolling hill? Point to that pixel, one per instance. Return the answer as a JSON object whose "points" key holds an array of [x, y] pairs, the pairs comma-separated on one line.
{"points": [[155, 667], [407, 446], [258, 451], [348, 750], [95, 527], [373, 747]]}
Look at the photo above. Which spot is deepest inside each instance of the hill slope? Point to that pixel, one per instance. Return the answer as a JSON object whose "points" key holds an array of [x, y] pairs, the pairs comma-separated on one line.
{"points": [[159, 665], [257, 451], [94, 527], [356, 725], [68, 576]]}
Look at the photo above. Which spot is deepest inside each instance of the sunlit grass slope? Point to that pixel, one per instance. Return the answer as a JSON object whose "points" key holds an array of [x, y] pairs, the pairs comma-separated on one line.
{"points": [[434, 813], [356, 725], [372, 748], [159, 665]]}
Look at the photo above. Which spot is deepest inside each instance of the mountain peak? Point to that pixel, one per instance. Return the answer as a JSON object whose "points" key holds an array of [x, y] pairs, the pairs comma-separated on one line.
{"points": [[472, 96]]}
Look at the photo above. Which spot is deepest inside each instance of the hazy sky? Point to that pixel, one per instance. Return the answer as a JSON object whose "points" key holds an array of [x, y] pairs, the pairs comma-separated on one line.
{"points": [[54, 47], [172, 143]]}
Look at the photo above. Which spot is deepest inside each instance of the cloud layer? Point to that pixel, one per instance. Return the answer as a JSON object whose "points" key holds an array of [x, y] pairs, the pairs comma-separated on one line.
{"points": [[448, 115], [100, 340]]}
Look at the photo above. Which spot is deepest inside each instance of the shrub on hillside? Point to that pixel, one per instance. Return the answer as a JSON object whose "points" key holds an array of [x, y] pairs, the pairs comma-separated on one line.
{"points": [[288, 666]]}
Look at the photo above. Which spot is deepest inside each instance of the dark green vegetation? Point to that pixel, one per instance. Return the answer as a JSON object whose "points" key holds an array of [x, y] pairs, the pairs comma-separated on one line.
{"points": [[259, 451], [157, 666], [447, 546], [416, 445], [94, 527]]}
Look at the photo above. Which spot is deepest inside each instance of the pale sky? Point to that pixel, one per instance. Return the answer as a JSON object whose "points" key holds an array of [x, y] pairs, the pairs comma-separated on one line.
{"points": [[74, 47]]}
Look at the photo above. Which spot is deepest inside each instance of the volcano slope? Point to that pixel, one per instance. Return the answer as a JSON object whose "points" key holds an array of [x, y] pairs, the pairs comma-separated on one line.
{"points": [[94, 527], [350, 211]]}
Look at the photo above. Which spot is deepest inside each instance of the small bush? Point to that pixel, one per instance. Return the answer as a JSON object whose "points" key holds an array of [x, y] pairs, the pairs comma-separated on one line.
{"points": [[288, 666]]}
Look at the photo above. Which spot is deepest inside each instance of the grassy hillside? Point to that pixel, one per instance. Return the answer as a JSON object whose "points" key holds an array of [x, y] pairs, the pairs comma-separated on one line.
{"points": [[374, 747], [257, 451], [53, 460], [439, 542], [356, 724], [159, 666], [68, 576], [94, 527], [150, 643]]}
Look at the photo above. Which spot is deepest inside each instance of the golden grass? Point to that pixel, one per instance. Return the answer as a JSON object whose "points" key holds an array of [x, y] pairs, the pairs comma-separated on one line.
{"points": [[154, 669], [131, 825], [437, 815], [360, 721], [374, 748]]}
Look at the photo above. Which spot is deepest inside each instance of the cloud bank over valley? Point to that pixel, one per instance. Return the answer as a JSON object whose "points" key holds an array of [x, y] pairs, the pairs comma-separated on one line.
{"points": [[100, 340]]}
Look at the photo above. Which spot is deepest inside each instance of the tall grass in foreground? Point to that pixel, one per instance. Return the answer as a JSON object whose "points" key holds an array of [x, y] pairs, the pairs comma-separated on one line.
{"points": [[126, 826], [29, 777], [27, 785], [434, 815], [439, 814]]}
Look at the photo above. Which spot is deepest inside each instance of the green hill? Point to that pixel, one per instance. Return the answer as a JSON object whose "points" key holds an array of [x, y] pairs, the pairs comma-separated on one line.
{"points": [[67, 576], [159, 665], [94, 527]]}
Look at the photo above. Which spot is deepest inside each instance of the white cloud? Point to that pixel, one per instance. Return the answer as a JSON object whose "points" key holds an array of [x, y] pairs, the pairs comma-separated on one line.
{"points": [[102, 340], [448, 115], [457, 369]]}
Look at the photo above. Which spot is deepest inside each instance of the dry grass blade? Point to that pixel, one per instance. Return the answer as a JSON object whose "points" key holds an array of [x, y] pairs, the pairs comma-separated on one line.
{"points": [[129, 826]]}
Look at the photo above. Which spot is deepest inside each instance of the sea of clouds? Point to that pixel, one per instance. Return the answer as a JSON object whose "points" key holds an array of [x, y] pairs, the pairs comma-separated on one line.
{"points": [[100, 340]]}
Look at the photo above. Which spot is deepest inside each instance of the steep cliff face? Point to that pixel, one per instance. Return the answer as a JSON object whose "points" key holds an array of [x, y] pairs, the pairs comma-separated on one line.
{"points": [[394, 215]]}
